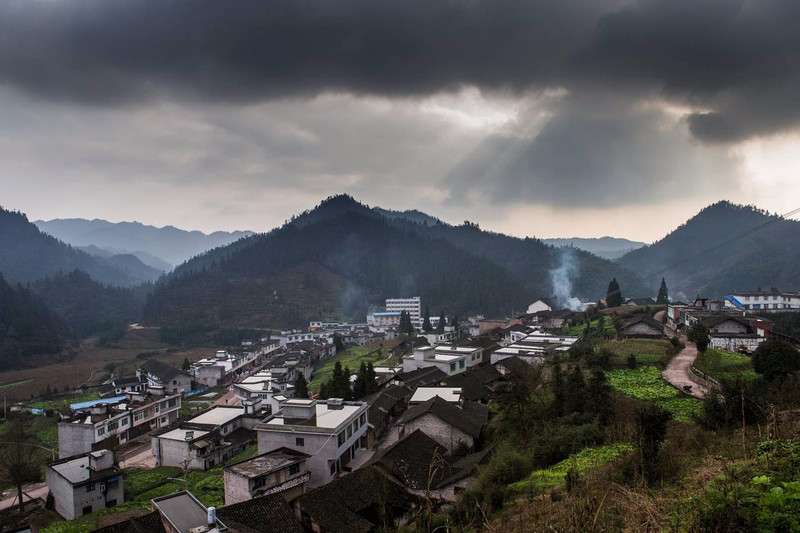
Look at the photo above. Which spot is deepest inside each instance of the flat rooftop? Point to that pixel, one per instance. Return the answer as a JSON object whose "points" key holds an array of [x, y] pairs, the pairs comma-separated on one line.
{"points": [[218, 416], [448, 394], [456, 349], [180, 434], [77, 470], [266, 463], [182, 510], [326, 418]]}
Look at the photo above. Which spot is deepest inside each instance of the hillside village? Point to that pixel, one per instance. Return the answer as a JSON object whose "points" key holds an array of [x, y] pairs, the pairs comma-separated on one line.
{"points": [[400, 441]]}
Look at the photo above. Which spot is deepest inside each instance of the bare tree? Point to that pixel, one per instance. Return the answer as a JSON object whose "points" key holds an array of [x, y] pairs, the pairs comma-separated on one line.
{"points": [[20, 457]]}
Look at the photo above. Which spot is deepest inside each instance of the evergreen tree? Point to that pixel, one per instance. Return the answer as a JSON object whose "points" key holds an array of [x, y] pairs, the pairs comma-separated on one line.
{"points": [[406, 327], [614, 294], [663, 293], [186, 364], [339, 384], [360, 384], [426, 320], [338, 343], [575, 400], [372, 382], [442, 321], [598, 396], [300, 387]]}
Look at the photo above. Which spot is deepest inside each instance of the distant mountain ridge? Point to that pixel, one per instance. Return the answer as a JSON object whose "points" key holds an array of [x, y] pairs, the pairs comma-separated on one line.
{"points": [[605, 247], [155, 246], [354, 256], [698, 259], [27, 254]]}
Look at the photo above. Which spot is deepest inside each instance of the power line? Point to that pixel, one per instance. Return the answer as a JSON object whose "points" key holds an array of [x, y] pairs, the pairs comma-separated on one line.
{"points": [[725, 243]]}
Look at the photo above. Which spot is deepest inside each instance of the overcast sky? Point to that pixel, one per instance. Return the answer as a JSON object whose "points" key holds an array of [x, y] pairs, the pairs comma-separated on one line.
{"points": [[530, 117]]}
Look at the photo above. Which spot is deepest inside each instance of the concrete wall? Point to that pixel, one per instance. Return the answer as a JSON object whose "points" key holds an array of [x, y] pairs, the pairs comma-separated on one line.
{"points": [[732, 344], [438, 430], [210, 376], [74, 439]]}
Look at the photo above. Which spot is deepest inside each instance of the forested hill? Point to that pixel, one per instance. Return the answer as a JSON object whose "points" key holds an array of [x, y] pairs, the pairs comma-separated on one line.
{"points": [[27, 327], [89, 307], [27, 254], [341, 257], [703, 262]]}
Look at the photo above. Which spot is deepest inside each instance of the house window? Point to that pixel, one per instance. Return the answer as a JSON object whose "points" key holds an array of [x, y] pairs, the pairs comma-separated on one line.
{"points": [[341, 438], [124, 421], [452, 366], [363, 419], [138, 416], [349, 431], [259, 482], [100, 432], [294, 469], [174, 381], [461, 364], [300, 441], [90, 488], [112, 484], [333, 468], [87, 509]]}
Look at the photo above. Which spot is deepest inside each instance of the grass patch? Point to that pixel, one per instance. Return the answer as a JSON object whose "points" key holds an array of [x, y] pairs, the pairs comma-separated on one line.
{"points": [[583, 462], [721, 364], [350, 358], [645, 383], [95, 520], [15, 384], [142, 485], [65, 401], [579, 329], [627, 347]]}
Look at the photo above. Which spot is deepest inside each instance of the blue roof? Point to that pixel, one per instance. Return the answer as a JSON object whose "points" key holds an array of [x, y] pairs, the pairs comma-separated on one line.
{"points": [[84, 405], [392, 313]]}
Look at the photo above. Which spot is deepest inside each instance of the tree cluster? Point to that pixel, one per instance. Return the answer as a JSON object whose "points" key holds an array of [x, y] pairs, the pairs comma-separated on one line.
{"points": [[338, 386]]}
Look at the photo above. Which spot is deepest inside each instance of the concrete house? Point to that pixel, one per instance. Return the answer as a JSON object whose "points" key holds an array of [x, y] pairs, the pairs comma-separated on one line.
{"points": [[331, 432], [642, 327], [732, 333], [452, 426], [106, 423], [84, 483], [540, 305], [206, 440], [280, 471], [449, 362], [163, 379]]}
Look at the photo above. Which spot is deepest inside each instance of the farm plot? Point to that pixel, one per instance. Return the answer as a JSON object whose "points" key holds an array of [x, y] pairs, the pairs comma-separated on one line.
{"points": [[645, 383]]}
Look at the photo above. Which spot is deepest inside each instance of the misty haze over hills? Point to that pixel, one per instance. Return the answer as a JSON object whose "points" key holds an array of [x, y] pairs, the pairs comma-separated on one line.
{"points": [[161, 248]]}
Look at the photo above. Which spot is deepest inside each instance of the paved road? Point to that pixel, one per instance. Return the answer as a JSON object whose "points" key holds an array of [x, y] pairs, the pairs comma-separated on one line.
{"points": [[35, 490], [678, 373]]}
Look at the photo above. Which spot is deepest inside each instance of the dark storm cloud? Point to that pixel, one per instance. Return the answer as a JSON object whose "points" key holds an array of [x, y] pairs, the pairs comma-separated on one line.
{"points": [[737, 60], [593, 153]]}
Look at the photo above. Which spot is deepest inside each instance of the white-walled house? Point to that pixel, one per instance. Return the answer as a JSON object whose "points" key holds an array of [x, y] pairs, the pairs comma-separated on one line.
{"points": [[772, 300], [332, 432], [428, 356], [540, 305], [84, 483]]}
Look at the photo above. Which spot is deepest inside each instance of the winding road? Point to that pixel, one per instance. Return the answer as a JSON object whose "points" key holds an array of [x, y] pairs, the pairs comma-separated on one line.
{"points": [[678, 372]]}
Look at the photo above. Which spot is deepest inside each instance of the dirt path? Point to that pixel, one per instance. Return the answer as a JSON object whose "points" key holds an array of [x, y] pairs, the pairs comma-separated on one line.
{"points": [[678, 372]]}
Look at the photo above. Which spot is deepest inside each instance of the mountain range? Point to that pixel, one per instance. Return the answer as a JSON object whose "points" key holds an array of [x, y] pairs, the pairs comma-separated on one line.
{"points": [[341, 257], [28, 254], [161, 248]]}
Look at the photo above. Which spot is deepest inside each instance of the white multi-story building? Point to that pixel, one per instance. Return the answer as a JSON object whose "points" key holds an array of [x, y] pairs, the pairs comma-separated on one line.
{"points": [[84, 483], [412, 305], [427, 356], [772, 300], [332, 432]]}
